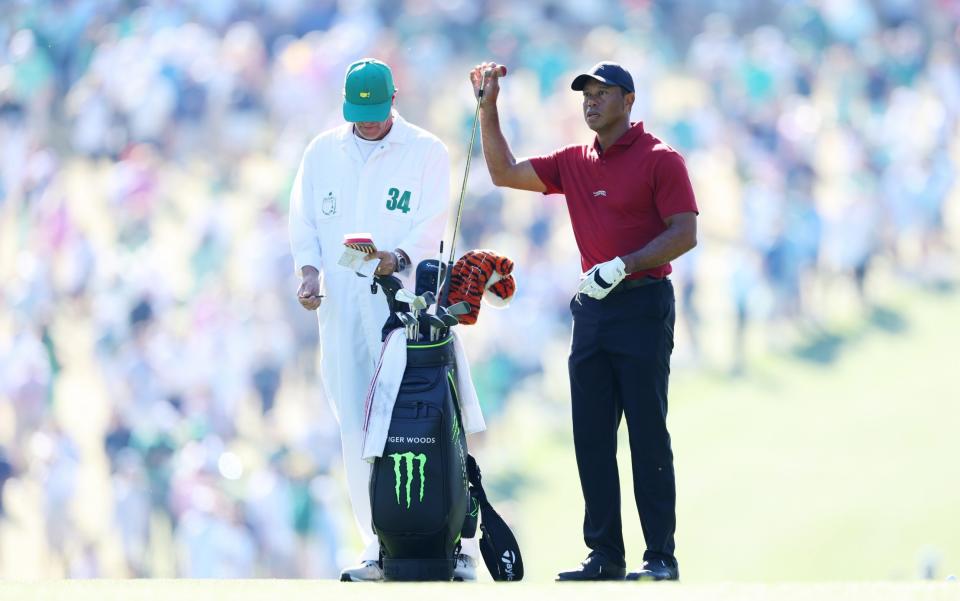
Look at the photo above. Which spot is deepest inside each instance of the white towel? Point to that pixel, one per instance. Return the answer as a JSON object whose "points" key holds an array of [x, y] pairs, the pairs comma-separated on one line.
{"points": [[382, 393], [469, 402]]}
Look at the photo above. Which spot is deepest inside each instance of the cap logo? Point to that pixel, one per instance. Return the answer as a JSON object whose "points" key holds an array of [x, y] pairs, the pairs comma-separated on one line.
{"points": [[364, 94]]}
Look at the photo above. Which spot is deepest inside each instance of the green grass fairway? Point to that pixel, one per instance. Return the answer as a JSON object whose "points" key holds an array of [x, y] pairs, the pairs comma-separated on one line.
{"points": [[286, 590], [797, 471]]}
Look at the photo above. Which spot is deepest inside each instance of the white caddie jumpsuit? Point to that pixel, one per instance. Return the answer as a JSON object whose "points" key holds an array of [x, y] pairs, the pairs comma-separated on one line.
{"points": [[400, 195]]}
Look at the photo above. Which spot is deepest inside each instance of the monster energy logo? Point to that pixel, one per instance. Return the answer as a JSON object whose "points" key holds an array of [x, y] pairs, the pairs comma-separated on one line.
{"points": [[409, 458]]}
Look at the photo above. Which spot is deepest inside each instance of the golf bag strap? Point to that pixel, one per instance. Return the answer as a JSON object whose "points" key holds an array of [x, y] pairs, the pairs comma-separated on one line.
{"points": [[498, 545]]}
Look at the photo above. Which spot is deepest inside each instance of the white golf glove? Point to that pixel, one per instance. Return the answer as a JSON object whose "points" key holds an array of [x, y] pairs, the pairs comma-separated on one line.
{"points": [[602, 278]]}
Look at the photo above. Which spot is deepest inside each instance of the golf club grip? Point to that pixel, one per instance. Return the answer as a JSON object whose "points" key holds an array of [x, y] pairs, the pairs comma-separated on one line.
{"points": [[501, 71]]}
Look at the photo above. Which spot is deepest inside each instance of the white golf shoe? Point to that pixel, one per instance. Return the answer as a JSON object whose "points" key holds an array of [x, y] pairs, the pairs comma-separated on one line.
{"points": [[367, 571], [466, 568]]}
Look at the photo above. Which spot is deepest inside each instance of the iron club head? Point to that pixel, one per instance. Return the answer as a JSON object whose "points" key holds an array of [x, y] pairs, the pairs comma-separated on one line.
{"points": [[461, 308]]}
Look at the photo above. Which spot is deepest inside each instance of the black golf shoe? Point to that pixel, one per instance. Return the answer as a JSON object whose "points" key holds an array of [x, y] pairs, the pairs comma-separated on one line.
{"points": [[656, 569], [595, 567]]}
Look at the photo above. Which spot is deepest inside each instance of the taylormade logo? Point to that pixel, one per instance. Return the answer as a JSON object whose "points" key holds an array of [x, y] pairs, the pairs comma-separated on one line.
{"points": [[599, 193], [508, 560], [413, 439]]}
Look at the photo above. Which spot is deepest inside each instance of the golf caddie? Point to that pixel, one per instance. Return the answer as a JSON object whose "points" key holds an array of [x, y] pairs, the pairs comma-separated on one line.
{"points": [[377, 174], [633, 211]]}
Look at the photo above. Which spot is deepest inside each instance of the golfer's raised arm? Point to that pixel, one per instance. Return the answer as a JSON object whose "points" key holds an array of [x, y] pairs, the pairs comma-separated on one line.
{"points": [[504, 168]]}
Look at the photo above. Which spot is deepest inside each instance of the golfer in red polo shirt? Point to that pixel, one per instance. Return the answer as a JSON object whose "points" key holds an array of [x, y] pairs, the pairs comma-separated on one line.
{"points": [[633, 211]]}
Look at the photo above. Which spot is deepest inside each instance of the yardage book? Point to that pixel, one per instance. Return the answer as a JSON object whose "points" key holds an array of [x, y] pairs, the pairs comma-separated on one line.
{"points": [[356, 248]]}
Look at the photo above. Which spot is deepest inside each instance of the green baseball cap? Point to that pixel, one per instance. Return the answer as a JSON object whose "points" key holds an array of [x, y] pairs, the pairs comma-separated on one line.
{"points": [[367, 91]]}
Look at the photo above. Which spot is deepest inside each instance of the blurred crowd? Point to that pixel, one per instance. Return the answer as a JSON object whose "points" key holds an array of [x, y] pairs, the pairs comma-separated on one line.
{"points": [[158, 396]]}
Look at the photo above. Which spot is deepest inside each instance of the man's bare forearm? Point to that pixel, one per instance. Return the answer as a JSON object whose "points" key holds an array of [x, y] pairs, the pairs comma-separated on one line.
{"points": [[666, 247], [496, 151]]}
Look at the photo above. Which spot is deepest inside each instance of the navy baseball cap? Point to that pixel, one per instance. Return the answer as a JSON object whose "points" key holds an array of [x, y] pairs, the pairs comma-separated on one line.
{"points": [[609, 73]]}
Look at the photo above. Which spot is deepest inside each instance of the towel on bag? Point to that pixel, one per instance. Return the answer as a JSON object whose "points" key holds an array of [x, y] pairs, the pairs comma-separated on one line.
{"points": [[383, 389]]}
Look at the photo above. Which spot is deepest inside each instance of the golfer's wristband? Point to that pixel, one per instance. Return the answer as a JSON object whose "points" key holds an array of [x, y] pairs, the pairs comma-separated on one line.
{"points": [[401, 261]]}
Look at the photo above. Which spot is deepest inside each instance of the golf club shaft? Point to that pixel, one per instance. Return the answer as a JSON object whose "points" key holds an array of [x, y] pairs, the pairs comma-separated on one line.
{"points": [[439, 274], [466, 172], [463, 191]]}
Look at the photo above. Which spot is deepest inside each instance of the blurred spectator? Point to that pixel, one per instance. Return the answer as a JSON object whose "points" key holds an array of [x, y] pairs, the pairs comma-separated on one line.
{"points": [[56, 463], [132, 510], [270, 509], [6, 472], [26, 381], [212, 540], [146, 155]]}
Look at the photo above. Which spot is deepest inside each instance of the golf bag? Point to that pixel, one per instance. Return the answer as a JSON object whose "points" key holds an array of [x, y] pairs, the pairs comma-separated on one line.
{"points": [[419, 491], [425, 490]]}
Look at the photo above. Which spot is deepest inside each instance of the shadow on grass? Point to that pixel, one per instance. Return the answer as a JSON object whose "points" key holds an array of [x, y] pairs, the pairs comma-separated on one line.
{"points": [[509, 484], [944, 287], [824, 347], [887, 320]]}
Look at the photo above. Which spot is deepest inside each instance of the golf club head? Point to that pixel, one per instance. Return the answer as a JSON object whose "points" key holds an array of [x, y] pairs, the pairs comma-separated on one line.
{"points": [[429, 274], [461, 308], [449, 320], [434, 321], [438, 327], [419, 303], [429, 297], [405, 296], [404, 300]]}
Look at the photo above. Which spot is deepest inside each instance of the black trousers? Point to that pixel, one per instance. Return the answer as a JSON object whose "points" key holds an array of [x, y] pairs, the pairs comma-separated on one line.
{"points": [[619, 366]]}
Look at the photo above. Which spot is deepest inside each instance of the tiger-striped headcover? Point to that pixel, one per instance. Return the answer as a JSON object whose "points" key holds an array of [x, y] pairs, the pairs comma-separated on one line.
{"points": [[478, 271]]}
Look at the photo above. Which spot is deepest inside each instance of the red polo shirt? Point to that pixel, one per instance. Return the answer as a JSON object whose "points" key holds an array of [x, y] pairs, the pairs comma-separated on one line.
{"points": [[618, 198]]}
